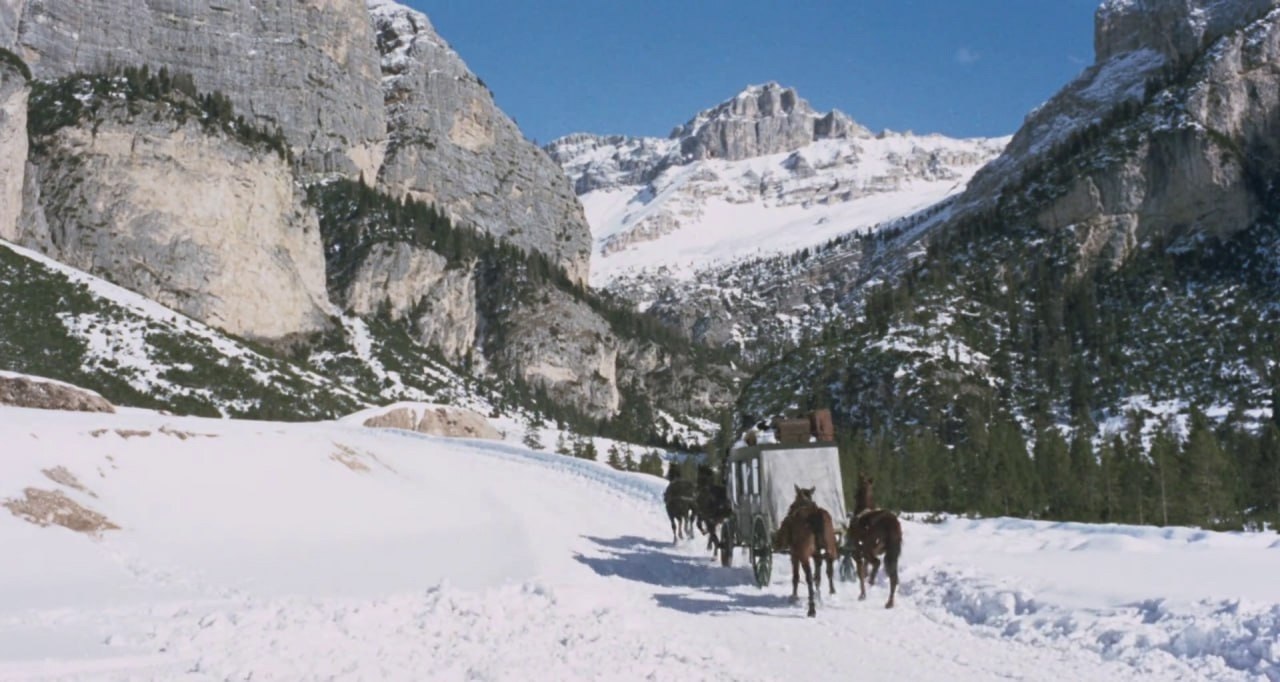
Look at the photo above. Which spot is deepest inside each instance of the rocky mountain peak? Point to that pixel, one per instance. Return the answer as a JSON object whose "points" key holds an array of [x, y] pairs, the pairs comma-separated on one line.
{"points": [[760, 120], [1174, 28]]}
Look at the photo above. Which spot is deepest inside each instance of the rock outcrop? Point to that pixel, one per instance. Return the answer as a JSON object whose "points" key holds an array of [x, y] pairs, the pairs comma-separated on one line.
{"points": [[13, 146], [560, 345], [451, 146], [417, 283], [44, 394], [10, 11], [761, 120], [1197, 81], [194, 220], [1176, 29], [437, 420], [307, 66]]}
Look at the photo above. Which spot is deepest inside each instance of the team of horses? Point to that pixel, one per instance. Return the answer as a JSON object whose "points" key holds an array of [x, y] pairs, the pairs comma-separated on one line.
{"points": [[807, 532]]}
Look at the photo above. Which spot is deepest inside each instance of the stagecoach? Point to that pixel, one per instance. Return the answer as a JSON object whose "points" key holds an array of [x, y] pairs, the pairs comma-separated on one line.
{"points": [[761, 486]]}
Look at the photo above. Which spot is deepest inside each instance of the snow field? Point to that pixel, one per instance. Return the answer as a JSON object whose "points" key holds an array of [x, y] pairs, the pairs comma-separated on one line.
{"points": [[259, 550]]}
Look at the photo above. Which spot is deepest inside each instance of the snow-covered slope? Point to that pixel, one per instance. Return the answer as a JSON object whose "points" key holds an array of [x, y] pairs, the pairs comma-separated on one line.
{"points": [[761, 173], [260, 550]]}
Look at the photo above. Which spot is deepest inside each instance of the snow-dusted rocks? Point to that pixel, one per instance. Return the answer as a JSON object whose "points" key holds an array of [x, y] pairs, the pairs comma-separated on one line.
{"points": [[19, 390], [1177, 29], [437, 420], [759, 121], [451, 146], [1177, 91], [761, 173], [412, 280]]}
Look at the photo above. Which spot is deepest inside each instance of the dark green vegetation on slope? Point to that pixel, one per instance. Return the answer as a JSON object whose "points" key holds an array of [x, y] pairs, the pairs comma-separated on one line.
{"points": [[355, 217], [144, 362], [7, 57], [1002, 333], [74, 100]]}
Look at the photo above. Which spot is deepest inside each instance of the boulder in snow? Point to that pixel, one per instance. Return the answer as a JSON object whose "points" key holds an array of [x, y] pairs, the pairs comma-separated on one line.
{"points": [[437, 420], [27, 391]]}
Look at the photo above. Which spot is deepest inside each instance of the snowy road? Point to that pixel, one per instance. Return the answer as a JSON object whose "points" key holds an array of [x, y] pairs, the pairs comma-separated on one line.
{"points": [[254, 550]]}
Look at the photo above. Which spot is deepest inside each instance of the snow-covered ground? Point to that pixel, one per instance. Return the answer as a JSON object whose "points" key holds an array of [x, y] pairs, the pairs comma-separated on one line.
{"points": [[259, 550]]}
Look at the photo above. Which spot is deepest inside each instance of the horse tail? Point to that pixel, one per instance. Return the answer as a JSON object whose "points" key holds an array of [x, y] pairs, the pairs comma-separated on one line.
{"points": [[893, 548]]}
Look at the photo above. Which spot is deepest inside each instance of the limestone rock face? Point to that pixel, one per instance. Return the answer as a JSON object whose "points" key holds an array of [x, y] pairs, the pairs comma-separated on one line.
{"points": [[450, 145], [437, 420], [13, 147], [307, 66], [197, 222], [10, 10], [1174, 28], [562, 346], [761, 120], [417, 282], [1186, 173]]}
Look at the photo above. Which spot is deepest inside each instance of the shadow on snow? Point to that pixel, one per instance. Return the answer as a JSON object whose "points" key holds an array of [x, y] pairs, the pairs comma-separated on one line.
{"points": [[661, 564]]}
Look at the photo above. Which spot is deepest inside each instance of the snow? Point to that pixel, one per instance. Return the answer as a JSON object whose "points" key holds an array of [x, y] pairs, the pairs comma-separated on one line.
{"points": [[712, 212], [302, 551]]}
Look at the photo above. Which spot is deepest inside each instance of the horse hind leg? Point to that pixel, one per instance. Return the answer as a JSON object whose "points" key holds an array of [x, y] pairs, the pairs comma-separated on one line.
{"points": [[795, 577], [891, 568], [831, 572], [875, 567], [808, 579], [817, 574], [862, 577]]}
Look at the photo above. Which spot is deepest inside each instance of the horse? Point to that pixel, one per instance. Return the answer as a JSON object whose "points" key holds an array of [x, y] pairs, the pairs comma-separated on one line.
{"points": [[711, 507], [873, 532], [679, 498], [810, 534]]}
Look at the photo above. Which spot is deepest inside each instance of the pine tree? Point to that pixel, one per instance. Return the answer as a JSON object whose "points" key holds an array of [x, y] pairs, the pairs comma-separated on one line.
{"points": [[1267, 473], [1164, 458], [1053, 468], [1206, 497], [1083, 505], [533, 437], [561, 446], [615, 457]]}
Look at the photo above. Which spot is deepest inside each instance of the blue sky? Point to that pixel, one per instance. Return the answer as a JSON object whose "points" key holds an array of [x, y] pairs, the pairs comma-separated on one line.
{"points": [[958, 67]]}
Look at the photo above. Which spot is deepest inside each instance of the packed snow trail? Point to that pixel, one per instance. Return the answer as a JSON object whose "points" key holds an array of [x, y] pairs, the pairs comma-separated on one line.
{"points": [[258, 550]]}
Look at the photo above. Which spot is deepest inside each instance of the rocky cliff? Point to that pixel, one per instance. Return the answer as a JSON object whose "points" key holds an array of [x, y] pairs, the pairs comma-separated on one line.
{"points": [[441, 116], [417, 284], [189, 183], [196, 221], [1114, 269], [307, 66], [1176, 29], [1184, 102], [13, 145], [761, 120]]}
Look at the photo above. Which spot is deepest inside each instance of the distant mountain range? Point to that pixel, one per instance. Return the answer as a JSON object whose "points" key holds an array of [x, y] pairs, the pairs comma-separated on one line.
{"points": [[759, 174]]}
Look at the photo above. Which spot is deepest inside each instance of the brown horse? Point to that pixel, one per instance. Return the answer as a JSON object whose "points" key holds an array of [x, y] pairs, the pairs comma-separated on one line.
{"points": [[679, 498], [810, 534], [711, 506], [873, 532]]}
